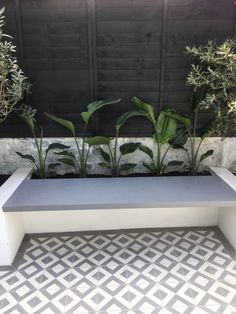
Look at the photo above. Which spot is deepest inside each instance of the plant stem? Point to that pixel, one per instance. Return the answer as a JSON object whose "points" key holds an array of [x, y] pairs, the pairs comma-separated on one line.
{"points": [[40, 154], [194, 153], [83, 161], [199, 145], [112, 159], [191, 159], [158, 165], [86, 160], [79, 152], [45, 159], [164, 156], [116, 163], [118, 166]]}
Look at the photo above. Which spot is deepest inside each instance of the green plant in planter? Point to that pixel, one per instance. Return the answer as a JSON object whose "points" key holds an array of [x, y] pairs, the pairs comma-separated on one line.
{"points": [[43, 169], [193, 154], [165, 135], [69, 158], [213, 77], [214, 67], [13, 84], [112, 158]]}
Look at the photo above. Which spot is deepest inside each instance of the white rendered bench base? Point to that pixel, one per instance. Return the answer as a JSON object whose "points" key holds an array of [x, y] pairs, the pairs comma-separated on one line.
{"points": [[13, 225], [12, 228], [227, 215]]}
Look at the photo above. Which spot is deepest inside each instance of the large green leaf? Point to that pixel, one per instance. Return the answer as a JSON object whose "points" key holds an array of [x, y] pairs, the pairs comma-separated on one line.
{"points": [[28, 121], [65, 153], [198, 97], [97, 140], [127, 115], [95, 105], [127, 167], [173, 163], [105, 155], [28, 157], [206, 155], [165, 128], [180, 139], [56, 146], [68, 161], [146, 150], [129, 148], [149, 109], [66, 123], [185, 121]]}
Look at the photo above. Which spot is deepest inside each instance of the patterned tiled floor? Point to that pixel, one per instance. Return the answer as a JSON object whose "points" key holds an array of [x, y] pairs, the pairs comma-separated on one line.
{"points": [[150, 271]]}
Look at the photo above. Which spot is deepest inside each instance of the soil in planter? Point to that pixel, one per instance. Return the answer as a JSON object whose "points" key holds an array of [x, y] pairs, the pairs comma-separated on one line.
{"points": [[169, 174], [3, 178], [70, 176]]}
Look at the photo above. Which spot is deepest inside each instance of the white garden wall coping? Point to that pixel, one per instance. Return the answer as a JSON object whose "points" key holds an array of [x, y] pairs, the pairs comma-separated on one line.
{"points": [[225, 175]]}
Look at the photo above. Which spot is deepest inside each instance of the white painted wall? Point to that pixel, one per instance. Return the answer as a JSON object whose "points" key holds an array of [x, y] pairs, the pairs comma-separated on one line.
{"points": [[227, 224], [223, 153], [12, 228], [110, 219], [227, 216]]}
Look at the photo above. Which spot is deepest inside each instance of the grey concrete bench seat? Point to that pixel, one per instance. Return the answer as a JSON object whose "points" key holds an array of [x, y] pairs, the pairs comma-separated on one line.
{"points": [[114, 193]]}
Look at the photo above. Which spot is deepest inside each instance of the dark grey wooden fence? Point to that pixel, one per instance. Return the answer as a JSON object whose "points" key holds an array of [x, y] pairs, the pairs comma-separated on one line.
{"points": [[74, 51]]}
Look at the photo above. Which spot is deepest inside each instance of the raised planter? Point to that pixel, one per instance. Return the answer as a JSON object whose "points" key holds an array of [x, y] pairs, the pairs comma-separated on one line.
{"points": [[11, 224], [62, 205]]}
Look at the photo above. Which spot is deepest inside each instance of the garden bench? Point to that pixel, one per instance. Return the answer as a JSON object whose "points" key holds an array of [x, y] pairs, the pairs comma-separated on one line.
{"points": [[115, 193], [63, 205]]}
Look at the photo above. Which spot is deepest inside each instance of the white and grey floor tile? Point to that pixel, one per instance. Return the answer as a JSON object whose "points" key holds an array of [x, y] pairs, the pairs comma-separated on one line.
{"points": [[135, 271], [212, 309], [181, 310]]}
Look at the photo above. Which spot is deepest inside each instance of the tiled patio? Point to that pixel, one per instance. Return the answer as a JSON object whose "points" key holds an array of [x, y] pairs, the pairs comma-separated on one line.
{"points": [[148, 271]]}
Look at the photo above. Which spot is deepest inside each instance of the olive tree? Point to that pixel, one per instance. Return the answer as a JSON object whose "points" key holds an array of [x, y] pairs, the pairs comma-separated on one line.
{"points": [[214, 71], [13, 83]]}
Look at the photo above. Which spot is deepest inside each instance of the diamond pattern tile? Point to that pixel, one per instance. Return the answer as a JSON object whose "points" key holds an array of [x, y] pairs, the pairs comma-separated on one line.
{"points": [[128, 272]]}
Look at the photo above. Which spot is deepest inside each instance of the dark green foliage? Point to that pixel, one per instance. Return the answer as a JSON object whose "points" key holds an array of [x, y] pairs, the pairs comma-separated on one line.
{"points": [[165, 132], [80, 164], [42, 168]]}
